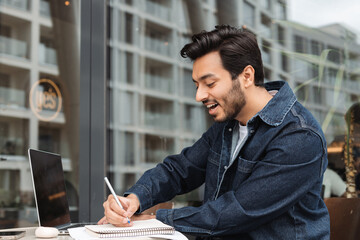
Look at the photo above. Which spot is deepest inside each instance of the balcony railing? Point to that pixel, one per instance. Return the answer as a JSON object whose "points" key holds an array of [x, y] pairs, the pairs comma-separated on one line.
{"points": [[12, 97], [47, 55], [13, 47], [157, 10], [301, 69], [155, 156], [158, 83], [160, 120], [265, 31], [18, 4], [45, 9], [354, 65], [157, 45], [266, 57], [354, 85]]}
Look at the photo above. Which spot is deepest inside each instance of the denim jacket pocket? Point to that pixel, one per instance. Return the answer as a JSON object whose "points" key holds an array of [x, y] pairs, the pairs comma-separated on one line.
{"points": [[245, 166], [244, 170]]}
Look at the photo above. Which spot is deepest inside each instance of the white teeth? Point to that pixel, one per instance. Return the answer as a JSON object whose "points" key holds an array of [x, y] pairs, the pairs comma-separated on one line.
{"points": [[212, 105]]}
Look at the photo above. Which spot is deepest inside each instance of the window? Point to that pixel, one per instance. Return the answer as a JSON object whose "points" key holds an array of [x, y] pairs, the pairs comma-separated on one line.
{"points": [[265, 4], [280, 9], [316, 47], [281, 35], [249, 14], [300, 44], [39, 99], [335, 54], [284, 62], [265, 30], [317, 94]]}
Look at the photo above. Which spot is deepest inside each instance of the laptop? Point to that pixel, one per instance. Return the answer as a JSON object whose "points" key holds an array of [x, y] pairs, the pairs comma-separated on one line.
{"points": [[50, 191]]}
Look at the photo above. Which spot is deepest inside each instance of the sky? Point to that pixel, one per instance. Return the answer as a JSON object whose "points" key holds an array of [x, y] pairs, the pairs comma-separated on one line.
{"points": [[316, 13]]}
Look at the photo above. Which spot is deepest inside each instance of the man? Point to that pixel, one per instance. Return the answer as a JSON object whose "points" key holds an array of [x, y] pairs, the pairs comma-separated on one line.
{"points": [[262, 162]]}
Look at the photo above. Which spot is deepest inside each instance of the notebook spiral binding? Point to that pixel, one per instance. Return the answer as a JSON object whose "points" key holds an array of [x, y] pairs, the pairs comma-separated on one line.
{"points": [[136, 232]]}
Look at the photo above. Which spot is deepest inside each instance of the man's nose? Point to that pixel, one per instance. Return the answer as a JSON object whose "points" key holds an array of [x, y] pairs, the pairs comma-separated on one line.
{"points": [[201, 94]]}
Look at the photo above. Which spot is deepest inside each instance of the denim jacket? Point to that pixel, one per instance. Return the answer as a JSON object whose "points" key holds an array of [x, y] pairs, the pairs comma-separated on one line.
{"points": [[271, 191]]}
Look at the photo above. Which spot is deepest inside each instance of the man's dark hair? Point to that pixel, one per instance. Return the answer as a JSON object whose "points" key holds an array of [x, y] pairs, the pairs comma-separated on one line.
{"points": [[237, 48]]}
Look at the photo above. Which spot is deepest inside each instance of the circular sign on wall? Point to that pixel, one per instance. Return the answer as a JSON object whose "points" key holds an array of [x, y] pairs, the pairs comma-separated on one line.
{"points": [[45, 99]]}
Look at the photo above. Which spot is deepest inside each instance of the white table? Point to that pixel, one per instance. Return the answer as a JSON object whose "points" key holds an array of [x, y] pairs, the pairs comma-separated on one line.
{"points": [[30, 233]]}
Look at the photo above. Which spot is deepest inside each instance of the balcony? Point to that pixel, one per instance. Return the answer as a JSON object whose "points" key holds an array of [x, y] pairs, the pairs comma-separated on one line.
{"points": [[17, 4], [12, 97], [44, 9], [265, 31], [13, 47], [155, 156], [266, 57], [159, 120], [157, 10], [156, 45], [301, 69], [158, 83], [47, 55], [354, 85], [354, 65]]}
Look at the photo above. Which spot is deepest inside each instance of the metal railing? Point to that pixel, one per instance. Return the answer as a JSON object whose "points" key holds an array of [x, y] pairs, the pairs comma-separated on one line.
{"points": [[160, 120], [12, 97], [158, 10], [158, 83], [47, 55], [18, 4], [158, 46], [13, 47], [44, 9]]}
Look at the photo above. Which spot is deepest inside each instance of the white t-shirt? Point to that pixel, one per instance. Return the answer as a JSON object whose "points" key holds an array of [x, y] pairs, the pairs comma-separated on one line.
{"points": [[333, 184], [243, 132]]}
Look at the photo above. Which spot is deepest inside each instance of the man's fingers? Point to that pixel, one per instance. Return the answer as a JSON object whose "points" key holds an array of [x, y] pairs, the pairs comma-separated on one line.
{"points": [[115, 207], [102, 221], [116, 214]]}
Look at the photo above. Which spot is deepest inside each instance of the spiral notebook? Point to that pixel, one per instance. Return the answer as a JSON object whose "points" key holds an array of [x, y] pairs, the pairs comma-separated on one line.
{"points": [[140, 228]]}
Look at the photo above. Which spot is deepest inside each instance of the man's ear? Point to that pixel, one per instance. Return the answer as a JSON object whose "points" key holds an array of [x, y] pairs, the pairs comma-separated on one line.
{"points": [[249, 76]]}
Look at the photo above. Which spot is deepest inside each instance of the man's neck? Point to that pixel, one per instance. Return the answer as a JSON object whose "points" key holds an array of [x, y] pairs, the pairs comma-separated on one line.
{"points": [[256, 100]]}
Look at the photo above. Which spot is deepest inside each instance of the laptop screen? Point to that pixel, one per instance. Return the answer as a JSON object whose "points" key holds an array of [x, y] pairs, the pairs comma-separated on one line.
{"points": [[49, 188]]}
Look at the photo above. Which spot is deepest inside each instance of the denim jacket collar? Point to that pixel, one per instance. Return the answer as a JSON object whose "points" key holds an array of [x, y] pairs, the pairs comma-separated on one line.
{"points": [[272, 114]]}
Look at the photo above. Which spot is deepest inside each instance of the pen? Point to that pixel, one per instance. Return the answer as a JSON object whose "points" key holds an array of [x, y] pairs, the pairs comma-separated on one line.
{"points": [[113, 193]]}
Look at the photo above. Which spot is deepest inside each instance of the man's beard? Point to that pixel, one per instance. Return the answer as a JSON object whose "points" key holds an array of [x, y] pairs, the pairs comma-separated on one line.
{"points": [[233, 103]]}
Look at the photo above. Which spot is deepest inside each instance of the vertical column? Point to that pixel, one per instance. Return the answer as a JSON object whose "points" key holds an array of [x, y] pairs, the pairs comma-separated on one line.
{"points": [[34, 69], [99, 108]]}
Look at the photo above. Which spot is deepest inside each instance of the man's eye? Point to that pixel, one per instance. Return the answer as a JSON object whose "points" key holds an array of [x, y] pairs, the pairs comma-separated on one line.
{"points": [[210, 84]]}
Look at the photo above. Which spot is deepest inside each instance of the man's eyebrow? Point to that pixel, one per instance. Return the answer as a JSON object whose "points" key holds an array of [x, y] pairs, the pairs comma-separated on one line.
{"points": [[204, 77]]}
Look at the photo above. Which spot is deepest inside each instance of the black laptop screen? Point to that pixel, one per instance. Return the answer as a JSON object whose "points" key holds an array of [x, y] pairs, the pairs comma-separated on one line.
{"points": [[49, 187]]}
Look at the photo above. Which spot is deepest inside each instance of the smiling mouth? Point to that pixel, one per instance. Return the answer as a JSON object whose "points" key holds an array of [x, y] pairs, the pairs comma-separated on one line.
{"points": [[212, 106]]}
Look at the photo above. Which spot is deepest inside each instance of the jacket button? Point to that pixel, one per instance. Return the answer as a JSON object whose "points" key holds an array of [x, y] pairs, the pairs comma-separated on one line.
{"points": [[226, 167], [230, 129]]}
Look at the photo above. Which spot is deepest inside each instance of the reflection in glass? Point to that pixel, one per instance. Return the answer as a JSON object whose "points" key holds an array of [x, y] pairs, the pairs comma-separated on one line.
{"points": [[151, 88], [34, 48]]}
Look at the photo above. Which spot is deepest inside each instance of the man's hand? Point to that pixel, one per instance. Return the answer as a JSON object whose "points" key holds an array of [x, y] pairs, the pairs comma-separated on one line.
{"points": [[115, 215]]}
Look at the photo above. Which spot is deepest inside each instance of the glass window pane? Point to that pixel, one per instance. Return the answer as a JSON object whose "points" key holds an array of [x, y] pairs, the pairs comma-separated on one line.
{"points": [[39, 100], [249, 14], [152, 94]]}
